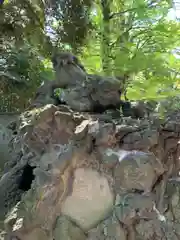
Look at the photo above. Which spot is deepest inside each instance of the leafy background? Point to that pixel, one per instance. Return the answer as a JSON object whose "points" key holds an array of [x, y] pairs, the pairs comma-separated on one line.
{"points": [[133, 38]]}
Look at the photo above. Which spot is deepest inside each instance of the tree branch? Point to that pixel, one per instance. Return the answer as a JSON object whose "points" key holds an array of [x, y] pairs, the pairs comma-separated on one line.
{"points": [[122, 12], [29, 6], [150, 5]]}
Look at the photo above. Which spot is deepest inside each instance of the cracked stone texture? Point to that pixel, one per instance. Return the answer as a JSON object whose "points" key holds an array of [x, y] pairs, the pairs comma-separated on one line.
{"points": [[91, 178]]}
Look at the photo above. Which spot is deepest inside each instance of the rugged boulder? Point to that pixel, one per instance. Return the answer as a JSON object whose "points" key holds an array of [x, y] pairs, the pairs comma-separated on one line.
{"points": [[84, 175]]}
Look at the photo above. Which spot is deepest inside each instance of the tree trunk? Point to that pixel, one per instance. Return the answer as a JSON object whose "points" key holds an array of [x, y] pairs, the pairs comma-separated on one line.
{"points": [[105, 38]]}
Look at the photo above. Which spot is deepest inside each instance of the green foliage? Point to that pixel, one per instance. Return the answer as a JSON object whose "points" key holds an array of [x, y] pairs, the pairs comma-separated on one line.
{"points": [[21, 72], [142, 41], [130, 37]]}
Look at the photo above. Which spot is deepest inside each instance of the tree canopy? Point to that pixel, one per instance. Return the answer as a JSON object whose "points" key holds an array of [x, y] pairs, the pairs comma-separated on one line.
{"points": [[130, 38]]}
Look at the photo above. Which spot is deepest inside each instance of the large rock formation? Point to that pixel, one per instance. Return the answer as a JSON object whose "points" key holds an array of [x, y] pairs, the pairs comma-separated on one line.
{"points": [[83, 175], [80, 91]]}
